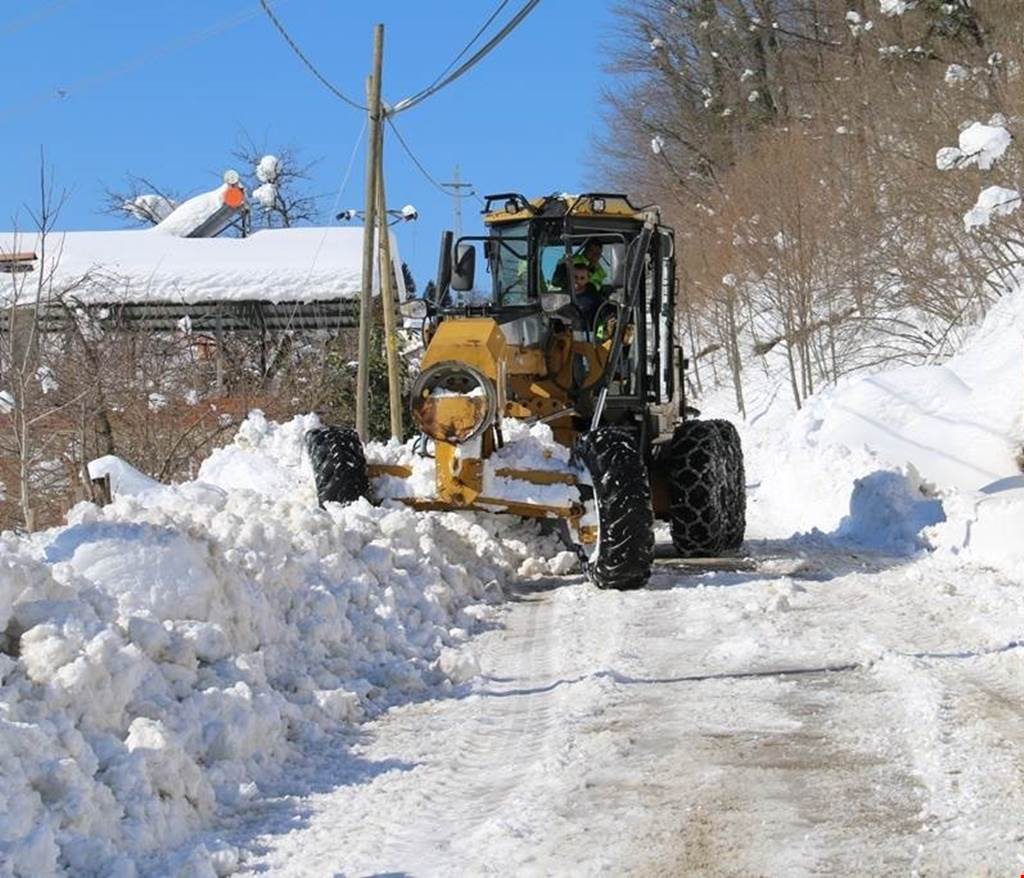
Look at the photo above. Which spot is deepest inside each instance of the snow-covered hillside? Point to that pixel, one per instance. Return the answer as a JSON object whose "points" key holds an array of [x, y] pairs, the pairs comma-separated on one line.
{"points": [[921, 445]]}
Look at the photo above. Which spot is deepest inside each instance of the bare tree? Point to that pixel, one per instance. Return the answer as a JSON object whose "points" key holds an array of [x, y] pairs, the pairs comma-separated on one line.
{"points": [[278, 181], [792, 143], [140, 200]]}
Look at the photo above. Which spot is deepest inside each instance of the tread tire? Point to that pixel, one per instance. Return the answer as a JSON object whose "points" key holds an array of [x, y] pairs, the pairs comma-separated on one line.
{"points": [[339, 464], [736, 495], [708, 489], [622, 494]]}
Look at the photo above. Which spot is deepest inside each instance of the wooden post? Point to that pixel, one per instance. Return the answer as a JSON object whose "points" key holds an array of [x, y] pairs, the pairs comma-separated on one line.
{"points": [[388, 299], [369, 223]]}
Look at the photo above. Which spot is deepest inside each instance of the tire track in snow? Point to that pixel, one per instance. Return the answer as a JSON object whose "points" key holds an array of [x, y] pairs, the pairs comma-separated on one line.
{"points": [[961, 727], [589, 750], [483, 763]]}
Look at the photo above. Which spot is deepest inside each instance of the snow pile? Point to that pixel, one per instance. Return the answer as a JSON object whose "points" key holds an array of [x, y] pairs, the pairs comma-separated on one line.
{"points": [[896, 7], [124, 478], [980, 144], [957, 74], [888, 512], [265, 195], [268, 169], [960, 424], [161, 656], [985, 526], [995, 201], [150, 208], [528, 447], [899, 460], [268, 172], [188, 215]]}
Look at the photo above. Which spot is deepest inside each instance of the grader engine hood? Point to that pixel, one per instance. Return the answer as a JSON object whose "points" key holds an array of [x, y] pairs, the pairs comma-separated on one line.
{"points": [[474, 341], [460, 392]]}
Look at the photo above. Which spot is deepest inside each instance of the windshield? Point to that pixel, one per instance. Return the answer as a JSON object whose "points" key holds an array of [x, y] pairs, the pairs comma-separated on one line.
{"points": [[510, 264], [602, 260], [506, 254]]}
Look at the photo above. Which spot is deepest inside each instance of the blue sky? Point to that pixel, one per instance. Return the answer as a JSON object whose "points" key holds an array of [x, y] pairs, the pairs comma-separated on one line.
{"points": [[163, 90]]}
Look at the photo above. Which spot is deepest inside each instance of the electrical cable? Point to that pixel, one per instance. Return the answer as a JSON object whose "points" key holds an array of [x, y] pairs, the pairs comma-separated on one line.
{"points": [[197, 36], [430, 177], [334, 210], [469, 45], [513, 23], [305, 60], [337, 197], [34, 17]]}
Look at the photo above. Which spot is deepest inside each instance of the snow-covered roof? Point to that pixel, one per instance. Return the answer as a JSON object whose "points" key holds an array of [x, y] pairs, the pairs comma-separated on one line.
{"points": [[150, 265]]}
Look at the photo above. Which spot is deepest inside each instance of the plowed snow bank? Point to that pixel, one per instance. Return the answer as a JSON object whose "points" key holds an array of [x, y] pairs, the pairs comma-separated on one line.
{"points": [[164, 654]]}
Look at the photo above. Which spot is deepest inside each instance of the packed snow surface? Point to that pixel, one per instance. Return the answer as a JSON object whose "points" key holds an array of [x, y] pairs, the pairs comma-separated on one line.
{"points": [[139, 265]]}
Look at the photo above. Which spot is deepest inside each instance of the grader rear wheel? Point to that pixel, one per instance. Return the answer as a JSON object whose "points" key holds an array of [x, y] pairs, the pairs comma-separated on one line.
{"points": [[708, 491]]}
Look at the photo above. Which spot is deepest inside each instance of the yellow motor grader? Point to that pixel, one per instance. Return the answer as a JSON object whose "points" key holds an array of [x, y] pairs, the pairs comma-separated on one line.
{"points": [[581, 338]]}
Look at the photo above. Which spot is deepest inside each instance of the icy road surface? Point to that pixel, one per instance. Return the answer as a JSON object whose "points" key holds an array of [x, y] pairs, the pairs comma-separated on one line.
{"points": [[691, 729]]}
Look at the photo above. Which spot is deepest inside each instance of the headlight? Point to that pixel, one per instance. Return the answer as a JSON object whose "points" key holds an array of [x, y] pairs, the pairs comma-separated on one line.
{"points": [[452, 402]]}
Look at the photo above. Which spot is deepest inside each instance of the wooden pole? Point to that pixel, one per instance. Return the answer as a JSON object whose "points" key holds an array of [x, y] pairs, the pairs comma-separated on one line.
{"points": [[369, 223], [388, 299]]}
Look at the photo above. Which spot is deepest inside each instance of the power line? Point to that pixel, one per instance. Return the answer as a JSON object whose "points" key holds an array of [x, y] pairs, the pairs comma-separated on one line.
{"points": [[469, 45], [513, 23], [34, 18], [197, 36], [430, 177], [309, 64]]}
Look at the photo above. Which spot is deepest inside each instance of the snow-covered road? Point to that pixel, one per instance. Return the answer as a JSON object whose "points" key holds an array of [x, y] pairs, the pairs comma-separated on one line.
{"points": [[691, 728]]}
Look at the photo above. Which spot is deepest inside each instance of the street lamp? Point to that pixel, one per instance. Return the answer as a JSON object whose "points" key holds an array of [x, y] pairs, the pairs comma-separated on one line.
{"points": [[405, 214]]}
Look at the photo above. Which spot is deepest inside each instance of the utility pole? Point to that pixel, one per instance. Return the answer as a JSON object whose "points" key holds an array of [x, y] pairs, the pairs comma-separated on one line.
{"points": [[388, 299], [457, 186], [373, 143]]}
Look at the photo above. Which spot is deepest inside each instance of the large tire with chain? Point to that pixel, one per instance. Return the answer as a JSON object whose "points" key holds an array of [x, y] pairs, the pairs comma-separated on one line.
{"points": [[708, 489], [621, 496], [339, 464], [736, 494]]}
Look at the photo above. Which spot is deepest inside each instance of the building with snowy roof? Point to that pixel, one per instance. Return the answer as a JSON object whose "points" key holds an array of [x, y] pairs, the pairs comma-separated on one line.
{"points": [[183, 271]]}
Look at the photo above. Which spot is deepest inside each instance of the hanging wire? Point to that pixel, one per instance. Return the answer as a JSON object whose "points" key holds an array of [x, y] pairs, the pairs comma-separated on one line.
{"points": [[430, 177], [469, 45], [419, 97], [70, 89], [34, 17], [305, 60]]}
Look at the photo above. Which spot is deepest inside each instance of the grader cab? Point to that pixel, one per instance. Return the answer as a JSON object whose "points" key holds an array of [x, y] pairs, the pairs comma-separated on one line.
{"points": [[555, 390]]}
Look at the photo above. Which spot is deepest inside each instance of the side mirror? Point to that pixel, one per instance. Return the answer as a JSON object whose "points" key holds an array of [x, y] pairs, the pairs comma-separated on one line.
{"points": [[464, 270], [682, 365]]}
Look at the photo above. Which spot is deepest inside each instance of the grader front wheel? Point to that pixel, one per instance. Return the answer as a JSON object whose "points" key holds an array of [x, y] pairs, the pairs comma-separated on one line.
{"points": [[339, 464], [623, 553]]}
